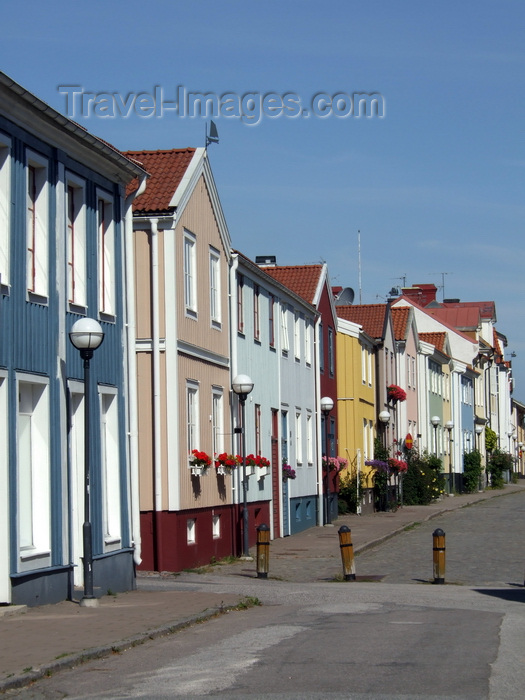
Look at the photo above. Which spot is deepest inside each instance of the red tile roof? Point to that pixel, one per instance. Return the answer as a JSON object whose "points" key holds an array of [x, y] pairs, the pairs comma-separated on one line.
{"points": [[435, 339], [487, 309], [460, 317], [370, 316], [301, 279], [166, 169], [400, 318]]}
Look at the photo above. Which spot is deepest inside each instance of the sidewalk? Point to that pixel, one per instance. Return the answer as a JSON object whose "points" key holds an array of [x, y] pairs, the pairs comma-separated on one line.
{"points": [[35, 642]]}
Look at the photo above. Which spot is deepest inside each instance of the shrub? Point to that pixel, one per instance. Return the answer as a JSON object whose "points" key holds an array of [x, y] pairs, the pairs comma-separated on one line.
{"points": [[472, 471], [499, 462], [350, 491], [423, 481]]}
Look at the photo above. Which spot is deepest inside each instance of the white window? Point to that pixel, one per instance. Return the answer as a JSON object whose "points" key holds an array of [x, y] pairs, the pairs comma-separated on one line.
{"points": [[33, 469], [297, 336], [285, 341], [37, 224], [109, 432], [216, 526], [298, 438], [190, 274], [76, 447], [215, 288], [191, 531], [363, 364], [76, 240], [192, 416], [331, 352], [256, 312], [258, 443], [370, 373], [271, 321], [5, 207], [240, 303], [307, 342], [309, 439], [106, 254], [217, 420]]}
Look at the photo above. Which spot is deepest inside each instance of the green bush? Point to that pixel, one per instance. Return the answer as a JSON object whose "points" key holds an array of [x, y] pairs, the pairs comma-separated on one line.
{"points": [[423, 481], [350, 491], [498, 463], [472, 471]]}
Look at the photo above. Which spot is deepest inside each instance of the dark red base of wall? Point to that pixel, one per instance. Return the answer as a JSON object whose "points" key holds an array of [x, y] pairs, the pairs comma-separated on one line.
{"points": [[164, 535]]}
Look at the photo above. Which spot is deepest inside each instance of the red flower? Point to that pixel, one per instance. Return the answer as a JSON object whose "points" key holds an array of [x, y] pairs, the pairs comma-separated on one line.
{"points": [[396, 393]]}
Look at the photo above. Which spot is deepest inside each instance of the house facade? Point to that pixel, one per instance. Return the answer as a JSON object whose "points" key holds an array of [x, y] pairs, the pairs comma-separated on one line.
{"points": [[63, 212], [181, 263]]}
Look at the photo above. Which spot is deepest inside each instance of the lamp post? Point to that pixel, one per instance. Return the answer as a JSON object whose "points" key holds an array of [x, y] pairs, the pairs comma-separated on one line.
{"points": [[479, 429], [435, 420], [449, 425], [520, 447], [326, 406], [242, 385], [87, 335]]}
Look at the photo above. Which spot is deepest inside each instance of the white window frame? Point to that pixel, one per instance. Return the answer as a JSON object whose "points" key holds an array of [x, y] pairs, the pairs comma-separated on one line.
{"points": [[271, 320], [256, 312], [76, 240], [298, 437], [309, 439], [215, 288], [5, 208], [217, 419], [363, 364], [192, 417], [33, 471], [190, 273], [308, 343], [191, 531], [37, 224], [76, 455], [110, 461], [285, 338], [297, 336], [106, 254], [215, 526]]}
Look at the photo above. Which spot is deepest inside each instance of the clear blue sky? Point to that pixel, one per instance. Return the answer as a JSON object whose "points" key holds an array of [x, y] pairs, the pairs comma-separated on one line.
{"points": [[435, 186]]}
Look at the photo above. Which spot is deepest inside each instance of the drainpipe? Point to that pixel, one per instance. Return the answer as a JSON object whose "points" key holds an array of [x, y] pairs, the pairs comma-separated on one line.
{"points": [[132, 374], [233, 372], [157, 465]]}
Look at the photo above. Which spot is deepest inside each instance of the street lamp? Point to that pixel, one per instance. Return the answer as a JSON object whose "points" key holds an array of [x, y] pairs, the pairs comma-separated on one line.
{"points": [[87, 335], [520, 447], [435, 420], [479, 429], [449, 425], [326, 406], [242, 385]]}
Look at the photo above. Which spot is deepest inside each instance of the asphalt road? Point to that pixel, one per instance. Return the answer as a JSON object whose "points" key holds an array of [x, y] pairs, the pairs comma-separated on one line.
{"points": [[397, 638]]}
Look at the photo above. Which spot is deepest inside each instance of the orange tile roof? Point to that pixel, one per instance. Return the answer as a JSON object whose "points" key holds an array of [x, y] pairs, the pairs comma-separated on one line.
{"points": [[400, 318], [370, 316], [301, 279], [166, 169], [436, 339]]}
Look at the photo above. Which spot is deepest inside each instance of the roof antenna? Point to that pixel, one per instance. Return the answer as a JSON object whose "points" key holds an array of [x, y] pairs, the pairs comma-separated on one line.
{"points": [[212, 136]]}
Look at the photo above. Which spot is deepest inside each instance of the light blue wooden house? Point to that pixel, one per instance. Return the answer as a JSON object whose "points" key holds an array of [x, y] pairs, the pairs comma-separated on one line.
{"points": [[63, 207]]}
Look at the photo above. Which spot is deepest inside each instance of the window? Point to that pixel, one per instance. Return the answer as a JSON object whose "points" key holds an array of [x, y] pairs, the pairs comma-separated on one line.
{"points": [[240, 303], [5, 207], [5, 581], [109, 435], [331, 363], [37, 225], [216, 526], [271, 321], [256, 308], [190, 274], [298, 438], [309, 439], [363, 364], [258, 447], [215, 288], [33, 469], [297, 336], [307, 343], [285, 341], [106, 254], [191, 531], [321, 348], [76, 241], [76, 444], [192, 416], [217, 420]]}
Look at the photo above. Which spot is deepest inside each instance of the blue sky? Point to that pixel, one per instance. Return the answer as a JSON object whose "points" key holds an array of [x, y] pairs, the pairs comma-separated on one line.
{"points": [[436, 186]]}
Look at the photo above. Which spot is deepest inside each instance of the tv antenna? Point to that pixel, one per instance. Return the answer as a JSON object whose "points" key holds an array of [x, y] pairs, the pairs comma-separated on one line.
{"points": [[442, 281], [211, 136]]}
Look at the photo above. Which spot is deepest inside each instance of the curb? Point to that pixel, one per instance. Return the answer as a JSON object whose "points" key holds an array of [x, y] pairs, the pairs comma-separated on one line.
{"points": [[20, 681]]}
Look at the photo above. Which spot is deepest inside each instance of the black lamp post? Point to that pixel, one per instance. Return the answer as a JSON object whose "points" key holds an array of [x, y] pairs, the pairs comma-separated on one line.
{"points": [[87, 335], [479, 429], [326, 406], [242, 385], [449, 425]]}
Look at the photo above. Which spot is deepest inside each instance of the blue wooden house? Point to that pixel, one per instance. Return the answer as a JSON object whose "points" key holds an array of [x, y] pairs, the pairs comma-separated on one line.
{"points": [[63, 211]]}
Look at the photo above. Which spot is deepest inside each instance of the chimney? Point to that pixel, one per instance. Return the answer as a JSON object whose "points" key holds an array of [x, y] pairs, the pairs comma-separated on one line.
{"points": [[266, 260], [422, 294]]}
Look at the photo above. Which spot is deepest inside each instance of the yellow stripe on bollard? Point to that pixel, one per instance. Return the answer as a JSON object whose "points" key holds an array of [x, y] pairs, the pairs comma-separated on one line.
{"points": [[347, 552], [439, 555], [263, 551]]}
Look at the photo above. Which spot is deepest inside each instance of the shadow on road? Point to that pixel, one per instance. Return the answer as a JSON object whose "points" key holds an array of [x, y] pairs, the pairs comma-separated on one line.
{"points": [[516, 595]]}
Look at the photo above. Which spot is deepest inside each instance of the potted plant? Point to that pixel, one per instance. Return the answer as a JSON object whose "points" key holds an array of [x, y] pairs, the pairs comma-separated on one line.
{"points": [[288, 472], [225, 463], [199, 463], [395, 393]]}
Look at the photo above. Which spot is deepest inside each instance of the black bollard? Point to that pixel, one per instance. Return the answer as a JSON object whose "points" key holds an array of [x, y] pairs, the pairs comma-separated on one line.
{"points": [[439, 555], [263, 551], [347, 552]]}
